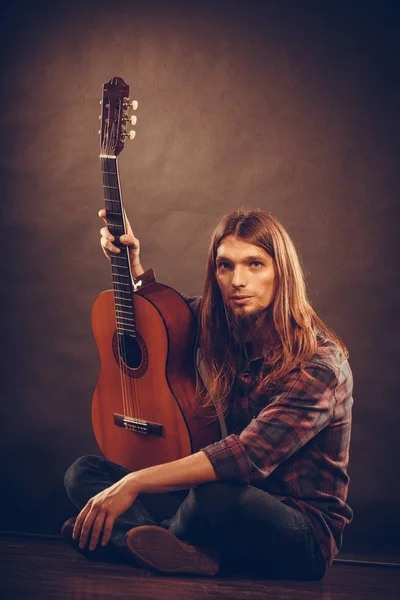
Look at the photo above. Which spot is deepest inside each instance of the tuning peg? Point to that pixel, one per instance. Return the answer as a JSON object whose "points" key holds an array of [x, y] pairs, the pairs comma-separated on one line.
{"points": [[133, 120], [133, 105], [132, 134]]}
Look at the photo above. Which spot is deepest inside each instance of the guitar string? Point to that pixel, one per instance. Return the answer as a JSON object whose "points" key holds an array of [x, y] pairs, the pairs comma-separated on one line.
{"points": [[106, 166], [134, 384], [131, 382], [130, 385], [128, 404], [128, 399], [109, 194]]}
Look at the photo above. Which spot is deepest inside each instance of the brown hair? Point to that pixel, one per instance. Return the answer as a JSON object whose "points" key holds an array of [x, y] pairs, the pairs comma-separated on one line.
{"points": [[295, 322]]}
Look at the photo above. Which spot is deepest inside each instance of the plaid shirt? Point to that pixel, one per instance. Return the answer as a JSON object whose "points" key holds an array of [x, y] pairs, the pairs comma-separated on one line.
{"points": [[293, 442]]}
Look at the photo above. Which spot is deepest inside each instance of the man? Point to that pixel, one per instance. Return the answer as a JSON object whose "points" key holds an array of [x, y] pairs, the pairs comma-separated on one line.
{"points": [[271, 496]]}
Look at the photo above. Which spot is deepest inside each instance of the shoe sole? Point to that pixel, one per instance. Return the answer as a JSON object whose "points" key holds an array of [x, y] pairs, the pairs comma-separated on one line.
{"points": [[159, 549]]}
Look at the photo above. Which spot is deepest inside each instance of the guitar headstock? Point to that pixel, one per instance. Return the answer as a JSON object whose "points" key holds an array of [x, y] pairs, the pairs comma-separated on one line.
{"points": [[114, 117]]}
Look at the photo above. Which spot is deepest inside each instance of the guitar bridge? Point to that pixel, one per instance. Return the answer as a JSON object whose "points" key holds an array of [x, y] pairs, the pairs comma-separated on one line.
{"points": [[138, 425]]}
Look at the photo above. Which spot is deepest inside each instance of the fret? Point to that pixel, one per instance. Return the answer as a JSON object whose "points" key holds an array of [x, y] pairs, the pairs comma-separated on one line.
{"points": [[130, 332], [119, 290], [127, 327], [120, 267], [113, 206], [129, 321], [118, 257], [122, 319]]}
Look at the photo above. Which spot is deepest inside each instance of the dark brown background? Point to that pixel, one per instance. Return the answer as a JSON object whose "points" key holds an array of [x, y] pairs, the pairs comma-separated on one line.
{"points": [[291, 107]]}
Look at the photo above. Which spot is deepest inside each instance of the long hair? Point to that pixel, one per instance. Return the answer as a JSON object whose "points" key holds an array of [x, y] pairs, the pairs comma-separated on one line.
{"points": [[295, 322]]}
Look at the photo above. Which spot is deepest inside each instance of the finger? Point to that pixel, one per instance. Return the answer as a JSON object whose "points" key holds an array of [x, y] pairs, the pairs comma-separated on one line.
{"points": [[79, 521], [108, 527], [87, 527], [129, 240], [96, 529], [105, 233], [103, 214], [107, 245]]}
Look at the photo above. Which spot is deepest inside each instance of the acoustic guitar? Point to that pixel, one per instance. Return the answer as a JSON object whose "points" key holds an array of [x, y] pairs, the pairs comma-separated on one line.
{"points": [[144, 410]]}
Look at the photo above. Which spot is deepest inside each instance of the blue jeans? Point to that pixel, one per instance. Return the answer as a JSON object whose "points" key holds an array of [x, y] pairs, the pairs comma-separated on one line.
{"points": [[253, 531]]}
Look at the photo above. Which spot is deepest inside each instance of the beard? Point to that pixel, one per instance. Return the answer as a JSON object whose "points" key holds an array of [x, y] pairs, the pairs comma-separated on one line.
{"points": [[245, 326]]}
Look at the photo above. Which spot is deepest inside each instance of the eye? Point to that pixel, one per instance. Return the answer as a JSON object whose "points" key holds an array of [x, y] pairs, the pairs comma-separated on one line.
{"points": [[223, 265], [256, 263]]}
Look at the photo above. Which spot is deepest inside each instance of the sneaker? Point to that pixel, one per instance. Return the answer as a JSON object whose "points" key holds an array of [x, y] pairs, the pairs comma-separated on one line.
{"points": [[157, 548]]}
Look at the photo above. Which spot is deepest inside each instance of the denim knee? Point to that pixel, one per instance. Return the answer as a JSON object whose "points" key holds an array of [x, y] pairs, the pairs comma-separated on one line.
{"points": [[74, 474]]}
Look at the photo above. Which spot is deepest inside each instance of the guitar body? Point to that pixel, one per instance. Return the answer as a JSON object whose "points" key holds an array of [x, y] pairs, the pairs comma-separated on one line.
{"points": [[161, 388]]}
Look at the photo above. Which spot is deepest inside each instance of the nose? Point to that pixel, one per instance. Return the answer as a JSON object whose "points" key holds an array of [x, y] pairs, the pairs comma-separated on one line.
{"points": [[238, 278]]}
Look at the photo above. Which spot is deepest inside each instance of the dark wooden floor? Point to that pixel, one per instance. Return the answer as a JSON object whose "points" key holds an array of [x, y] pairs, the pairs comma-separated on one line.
{"points": [[49, 569]]}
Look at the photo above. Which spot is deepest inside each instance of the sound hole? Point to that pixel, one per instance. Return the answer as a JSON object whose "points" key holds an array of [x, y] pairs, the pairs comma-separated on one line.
{"points": [[130, 351], [130, 354]]}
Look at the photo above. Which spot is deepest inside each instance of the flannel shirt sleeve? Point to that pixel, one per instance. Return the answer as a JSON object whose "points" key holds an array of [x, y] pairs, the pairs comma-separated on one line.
{"points": [[301, 408]]}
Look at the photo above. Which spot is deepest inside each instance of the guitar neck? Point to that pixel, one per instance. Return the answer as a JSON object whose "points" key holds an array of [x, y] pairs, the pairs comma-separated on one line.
{"points": [[120, 266]]}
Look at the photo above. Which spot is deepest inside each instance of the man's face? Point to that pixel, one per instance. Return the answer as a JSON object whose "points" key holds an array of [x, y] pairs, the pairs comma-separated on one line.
{"points": [[245, 274]]}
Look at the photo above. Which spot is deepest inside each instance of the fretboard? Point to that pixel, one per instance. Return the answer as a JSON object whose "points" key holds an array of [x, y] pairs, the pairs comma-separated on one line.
{"points": [[120, 267]]}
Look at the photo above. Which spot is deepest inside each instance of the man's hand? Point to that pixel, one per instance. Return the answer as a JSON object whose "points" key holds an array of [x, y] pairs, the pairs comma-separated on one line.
{"points": [[102, 510], [100, 513], [129, 240]]}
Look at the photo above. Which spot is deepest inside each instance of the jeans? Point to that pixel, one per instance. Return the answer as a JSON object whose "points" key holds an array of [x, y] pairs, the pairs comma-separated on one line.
{"points": [[253, 531]]}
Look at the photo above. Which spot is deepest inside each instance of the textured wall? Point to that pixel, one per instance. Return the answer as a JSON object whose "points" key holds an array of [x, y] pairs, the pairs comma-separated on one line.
{"points": [[290, 107]]}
